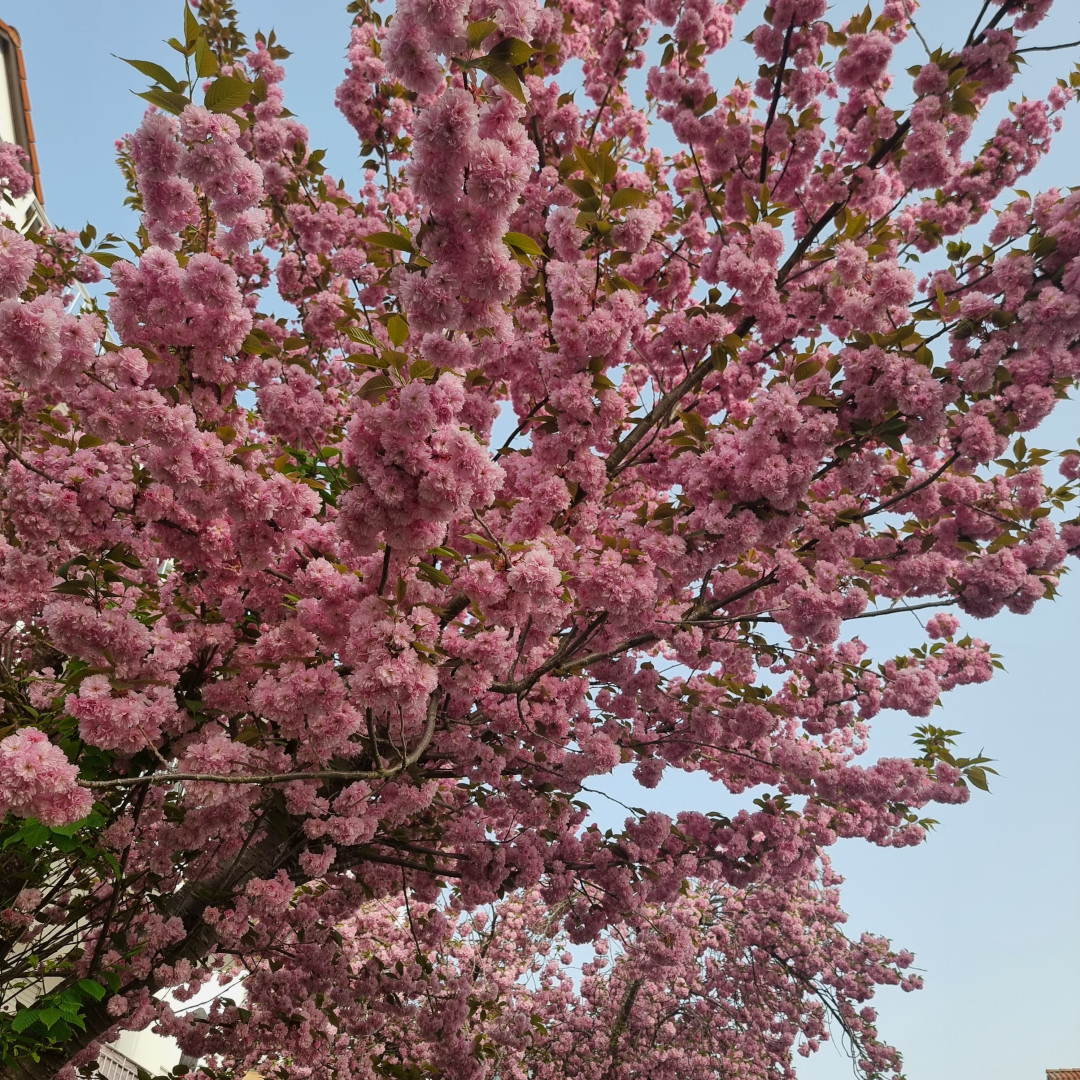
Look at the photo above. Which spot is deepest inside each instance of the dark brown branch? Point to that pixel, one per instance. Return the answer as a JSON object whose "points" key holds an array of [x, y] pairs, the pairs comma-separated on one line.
{"points": [[908, 492], [26, 464], [773, 103], [1048, 48], [385, 570], [621, 1023], [456, 605], [881, 611], [520, 428], [975, 25]]}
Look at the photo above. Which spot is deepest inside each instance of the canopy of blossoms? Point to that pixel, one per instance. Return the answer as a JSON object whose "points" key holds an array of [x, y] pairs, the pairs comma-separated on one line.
{"points": [[305, 675]]}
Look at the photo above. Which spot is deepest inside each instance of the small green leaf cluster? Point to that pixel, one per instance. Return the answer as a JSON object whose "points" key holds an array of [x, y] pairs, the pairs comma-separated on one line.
{"points": [[225, 94], [937, 745], [48, 1022]]}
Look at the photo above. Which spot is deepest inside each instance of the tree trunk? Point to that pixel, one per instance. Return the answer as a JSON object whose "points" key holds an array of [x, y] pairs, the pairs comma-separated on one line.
{"points": [[261, 859]]}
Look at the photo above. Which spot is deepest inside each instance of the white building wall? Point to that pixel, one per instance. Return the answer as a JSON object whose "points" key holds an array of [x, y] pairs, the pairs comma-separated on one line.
{"points": [[23, 210]]}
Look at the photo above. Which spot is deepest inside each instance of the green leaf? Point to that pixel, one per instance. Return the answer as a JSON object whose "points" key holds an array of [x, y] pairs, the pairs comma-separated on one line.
{"points": [[694, 424], [819, 401], [477, 31], [167, 100], [33, 834], [582, 188], [88, 441], [504, 75], [432, 574], [206, 63], [390, 240], [72, 588], [154, 71], [191, 25], [65, 830], [525, 244], [61, 1033], [227, 93], [627, 197], [356, 333], [587, 159], [607, 168], [257, 345], [91, 988], [397, 329], [24, 1018], [49, 1016], [513, 51], [106, 258], [806, 369], [365, 360], [376, 386], [963, 106]]}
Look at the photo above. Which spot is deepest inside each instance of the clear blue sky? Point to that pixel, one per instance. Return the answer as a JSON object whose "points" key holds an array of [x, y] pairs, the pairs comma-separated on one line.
{"points": [[990, 904]]}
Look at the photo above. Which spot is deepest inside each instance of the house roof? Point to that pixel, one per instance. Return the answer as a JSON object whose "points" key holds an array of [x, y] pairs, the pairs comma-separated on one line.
{"points": [[11, 50], [1063, 1074]]}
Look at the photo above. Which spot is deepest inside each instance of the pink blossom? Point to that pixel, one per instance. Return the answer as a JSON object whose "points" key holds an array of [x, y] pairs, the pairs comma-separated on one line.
{"points": [[37, 780], [17, 258], [369, 518], [14, 176], [864, 60]]}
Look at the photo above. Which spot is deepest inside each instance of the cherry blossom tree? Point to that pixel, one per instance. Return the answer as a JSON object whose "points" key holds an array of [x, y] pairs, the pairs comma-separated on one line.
{"points": [[305, 675]]}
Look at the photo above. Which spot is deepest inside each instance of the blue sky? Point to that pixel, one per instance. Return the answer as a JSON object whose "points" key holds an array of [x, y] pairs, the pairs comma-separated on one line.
{"points": [[989, 903]]}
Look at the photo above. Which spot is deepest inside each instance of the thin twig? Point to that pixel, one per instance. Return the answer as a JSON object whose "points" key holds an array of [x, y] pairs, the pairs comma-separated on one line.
{"points": [[520, 428], [411, 758], [1048, 48]]}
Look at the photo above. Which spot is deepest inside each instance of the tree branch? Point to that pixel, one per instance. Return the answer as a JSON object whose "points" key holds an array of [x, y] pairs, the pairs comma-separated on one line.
{"points": [[411, 758]]}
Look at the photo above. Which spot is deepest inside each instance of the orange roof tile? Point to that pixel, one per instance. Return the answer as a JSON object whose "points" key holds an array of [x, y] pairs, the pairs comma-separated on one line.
{"points": [[20, 99], [1063, 1074]]}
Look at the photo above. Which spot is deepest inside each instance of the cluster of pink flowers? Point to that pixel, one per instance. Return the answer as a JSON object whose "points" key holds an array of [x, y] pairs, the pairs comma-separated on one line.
{"points": [[472, 272], [18, 257], [417, 468], [338, 662], [161, 304], [37, 780], [178, 160], [40, 340], [14, 175]]}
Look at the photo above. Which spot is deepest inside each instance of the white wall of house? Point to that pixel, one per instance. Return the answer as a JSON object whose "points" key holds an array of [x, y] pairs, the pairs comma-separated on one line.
{"points": [[23, 207], [155, 1053]]}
